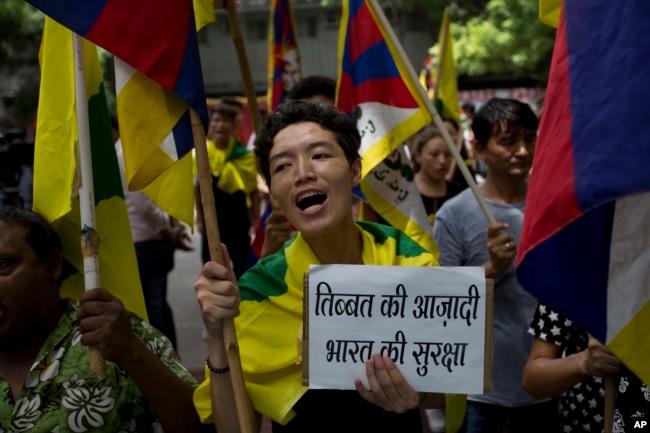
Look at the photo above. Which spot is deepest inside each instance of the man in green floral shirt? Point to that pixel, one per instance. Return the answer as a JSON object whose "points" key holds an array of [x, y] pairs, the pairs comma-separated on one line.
{"points": [[46, 384]]}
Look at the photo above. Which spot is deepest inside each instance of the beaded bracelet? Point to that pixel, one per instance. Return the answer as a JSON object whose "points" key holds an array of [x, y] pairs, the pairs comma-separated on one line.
{"points": [[214, 369]]}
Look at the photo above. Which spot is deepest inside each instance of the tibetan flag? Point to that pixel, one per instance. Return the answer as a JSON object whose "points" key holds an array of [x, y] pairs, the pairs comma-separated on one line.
{"points": [[158, 78], [284, 68], [447, 83], [585, 245], [260, 235], [374, 87], [55, 172], [157, 142]]}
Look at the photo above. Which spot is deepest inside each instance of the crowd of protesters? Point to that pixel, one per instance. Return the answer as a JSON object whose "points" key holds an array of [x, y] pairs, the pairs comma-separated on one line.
{"points": [[546, 378]]}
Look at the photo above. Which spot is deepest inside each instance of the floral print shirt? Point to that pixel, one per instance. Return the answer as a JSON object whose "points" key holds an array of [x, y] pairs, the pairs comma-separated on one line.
{"points": [[61, 393]]}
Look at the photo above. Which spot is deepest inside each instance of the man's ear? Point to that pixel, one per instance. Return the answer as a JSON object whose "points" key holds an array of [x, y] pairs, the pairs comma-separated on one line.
{"points": [[55, 264], [274, 202], [355, 170], [478, 149]]}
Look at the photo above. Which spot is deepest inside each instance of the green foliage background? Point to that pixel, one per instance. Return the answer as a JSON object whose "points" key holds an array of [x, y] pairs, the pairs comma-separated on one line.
{"points": [[491, 37]]}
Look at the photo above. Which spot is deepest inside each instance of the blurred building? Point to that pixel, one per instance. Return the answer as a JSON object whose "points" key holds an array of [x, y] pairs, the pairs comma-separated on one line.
{"points": [[318, 35]]}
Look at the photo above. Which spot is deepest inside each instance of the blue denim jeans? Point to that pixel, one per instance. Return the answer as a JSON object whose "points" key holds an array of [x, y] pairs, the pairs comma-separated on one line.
{"points": [[534, 418], [155, 261]]}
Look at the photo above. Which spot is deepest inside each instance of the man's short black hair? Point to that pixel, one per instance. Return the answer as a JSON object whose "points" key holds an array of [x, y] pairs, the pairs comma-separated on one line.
{"points": [[314, 85], [498, 113], [225, 110], [39, 233], [327, 116], [231, 101]]}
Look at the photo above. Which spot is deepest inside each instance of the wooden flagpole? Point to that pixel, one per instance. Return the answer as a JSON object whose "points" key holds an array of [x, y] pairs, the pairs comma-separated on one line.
{"points": [[240, 48], [245, 414], [89, 238], [459, 145], [432, 110]]}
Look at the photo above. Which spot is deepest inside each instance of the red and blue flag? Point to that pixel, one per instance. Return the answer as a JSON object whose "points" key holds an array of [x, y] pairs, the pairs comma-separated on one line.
{"points": [[157, 39], [158, 77], [378, 89], [585, 245], [260, 235], [284, 69]]}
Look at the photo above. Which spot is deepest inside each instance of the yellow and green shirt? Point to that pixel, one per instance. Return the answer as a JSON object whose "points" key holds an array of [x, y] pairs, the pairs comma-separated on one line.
{"points": [[269, 329]]}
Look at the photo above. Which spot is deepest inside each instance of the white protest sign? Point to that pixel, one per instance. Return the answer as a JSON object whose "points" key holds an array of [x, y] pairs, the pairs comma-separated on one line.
{"points": [[429, 320]]}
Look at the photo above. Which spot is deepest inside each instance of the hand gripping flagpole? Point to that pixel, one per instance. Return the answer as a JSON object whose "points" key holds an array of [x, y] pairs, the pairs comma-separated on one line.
{"points": [[245, 415], [89, 237], [434, 113]]}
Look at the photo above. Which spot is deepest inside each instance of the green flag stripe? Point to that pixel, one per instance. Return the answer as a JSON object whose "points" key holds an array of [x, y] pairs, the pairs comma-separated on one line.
{"points": [[257, 277], [406, 247], [106, 172]]}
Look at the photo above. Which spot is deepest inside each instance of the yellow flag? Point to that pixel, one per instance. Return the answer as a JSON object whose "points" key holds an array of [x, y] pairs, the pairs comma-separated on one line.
{"points": [[55, 168], [549, 12], [203, 13], [447, 82]]}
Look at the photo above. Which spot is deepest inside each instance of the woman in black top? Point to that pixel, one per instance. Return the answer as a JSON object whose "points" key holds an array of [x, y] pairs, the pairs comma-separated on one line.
{"points": [[431, 162]]}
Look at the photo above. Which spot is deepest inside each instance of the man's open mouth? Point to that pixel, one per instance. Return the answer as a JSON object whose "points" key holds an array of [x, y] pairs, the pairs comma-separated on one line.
{"points": [[311, 201]]}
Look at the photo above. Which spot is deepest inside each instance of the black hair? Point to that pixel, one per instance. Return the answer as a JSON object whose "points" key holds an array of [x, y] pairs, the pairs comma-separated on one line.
{"points": [[231, 101], [225, 110], [328, 117], [497, 113], [469, 108], [311, 86], [39, 233]]}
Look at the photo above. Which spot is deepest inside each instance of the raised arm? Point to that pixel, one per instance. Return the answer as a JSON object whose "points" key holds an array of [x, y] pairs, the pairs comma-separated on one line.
{"points": [[548, 374], [218, 295]]}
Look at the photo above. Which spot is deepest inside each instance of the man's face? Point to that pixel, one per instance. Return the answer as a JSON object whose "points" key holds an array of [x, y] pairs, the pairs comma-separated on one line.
{"points": [[221, 128], [311, 179], [509, 152], [27, 286]]}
